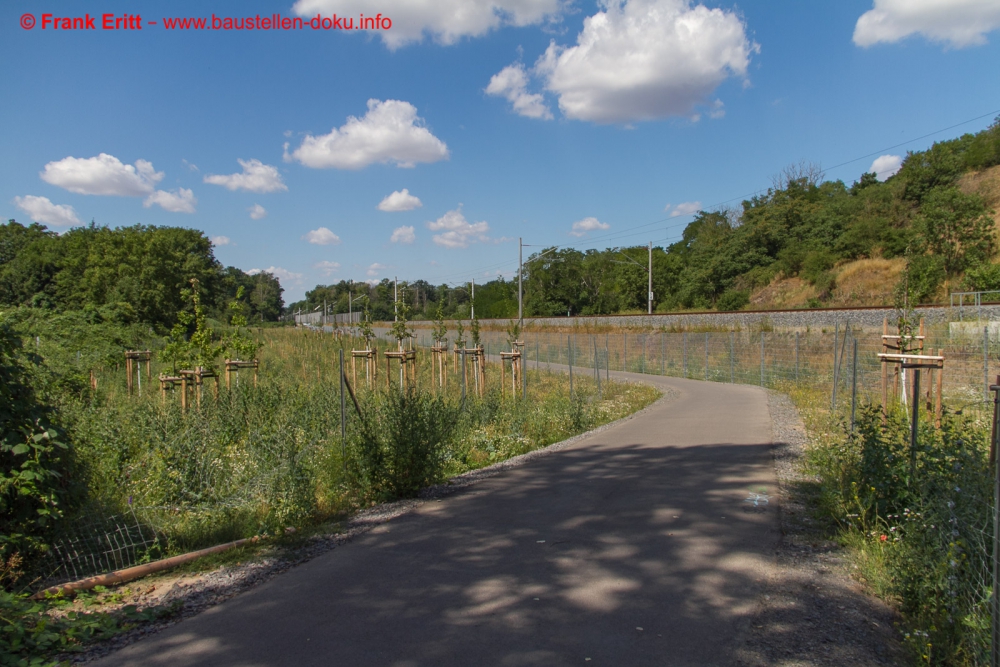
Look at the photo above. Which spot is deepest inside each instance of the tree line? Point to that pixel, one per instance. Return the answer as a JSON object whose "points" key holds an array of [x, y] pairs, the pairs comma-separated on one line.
{"points": [[127, 274], [802, 226]]}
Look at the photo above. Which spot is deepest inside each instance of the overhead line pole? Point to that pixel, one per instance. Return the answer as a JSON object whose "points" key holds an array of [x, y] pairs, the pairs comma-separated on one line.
{"points": [[650, 310], [520, 295]]}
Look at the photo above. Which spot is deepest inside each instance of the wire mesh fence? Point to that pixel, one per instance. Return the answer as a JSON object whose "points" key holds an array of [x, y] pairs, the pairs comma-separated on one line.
{"points": [[823, 359]]}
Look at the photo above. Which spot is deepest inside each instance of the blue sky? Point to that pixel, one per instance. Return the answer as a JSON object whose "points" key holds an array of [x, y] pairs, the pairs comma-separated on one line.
{"points": [[563, 122]]}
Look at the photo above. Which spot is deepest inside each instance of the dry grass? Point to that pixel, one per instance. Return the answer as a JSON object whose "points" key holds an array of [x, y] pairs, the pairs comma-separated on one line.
{"points": [[783, 293], [986, 184], [867, 282]]}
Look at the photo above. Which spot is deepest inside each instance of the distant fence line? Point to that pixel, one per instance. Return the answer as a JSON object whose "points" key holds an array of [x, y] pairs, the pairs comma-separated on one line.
{"points": [[769, 359], [319, 319]]}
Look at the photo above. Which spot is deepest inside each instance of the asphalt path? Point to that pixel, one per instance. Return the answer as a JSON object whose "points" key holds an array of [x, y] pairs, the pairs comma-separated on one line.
{"points": [[635, 545]]}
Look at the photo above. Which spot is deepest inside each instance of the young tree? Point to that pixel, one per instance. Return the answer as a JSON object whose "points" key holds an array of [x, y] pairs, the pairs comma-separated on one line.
{"points": [[242, 345], [440, 330]]}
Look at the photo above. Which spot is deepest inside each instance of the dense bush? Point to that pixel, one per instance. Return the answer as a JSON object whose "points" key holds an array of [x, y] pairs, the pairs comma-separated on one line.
{"points": [[35, 464]]}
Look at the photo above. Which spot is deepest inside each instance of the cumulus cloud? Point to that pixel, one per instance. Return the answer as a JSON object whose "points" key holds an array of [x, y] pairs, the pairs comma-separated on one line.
{"points": [[390, 133], [375, 269], [403, 235], [581, 227], [955, 23], [321, 236], [256, 177], [257, 212], [102, 175], [327, 268], [444, 21], [279, 273], [885, 166], [178, 201], [40, 209], [512, 83], [685, 208], [646, 59], [400, 201], [456, 231], [219, 241]]}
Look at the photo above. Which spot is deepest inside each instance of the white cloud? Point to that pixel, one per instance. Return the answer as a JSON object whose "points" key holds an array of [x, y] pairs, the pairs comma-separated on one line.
{"points": [[717, 110], [102, 175], [256, 177], [375, 269], [257, 212], [685, 208], [400, 201], [403, 235], [956, 23], [279, 273], [646, 59], [457, 231], [581, 227], [885, 166], [512, 83], [40, 209], [328, 268], [445, 21], [321, 236], [390, 133], [219, 241], [179, 201]]}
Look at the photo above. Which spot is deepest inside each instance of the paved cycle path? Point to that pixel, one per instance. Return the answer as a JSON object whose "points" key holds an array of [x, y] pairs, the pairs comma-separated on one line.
{"points": [[632, 546]]}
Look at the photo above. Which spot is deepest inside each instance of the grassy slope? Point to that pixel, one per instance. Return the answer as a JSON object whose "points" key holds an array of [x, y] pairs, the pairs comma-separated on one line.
{"points": [[870, 282]]}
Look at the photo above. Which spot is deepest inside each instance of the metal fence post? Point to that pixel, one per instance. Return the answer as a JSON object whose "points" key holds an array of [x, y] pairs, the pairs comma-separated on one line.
{"points": [[854, 384], [662, 350], [732, 358], [762, 358], [706, 356], [995, 597], [597, 369], [836, 339], [343, 413], [796, 357], [913, 423], [624, 351], [685, 339], [569, 358], [642, 364], [986, 361], [464, 373]]}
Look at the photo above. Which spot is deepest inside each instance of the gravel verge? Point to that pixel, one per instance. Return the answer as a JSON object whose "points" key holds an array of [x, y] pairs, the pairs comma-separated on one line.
{"points": [[812, 612], [193, 593]]}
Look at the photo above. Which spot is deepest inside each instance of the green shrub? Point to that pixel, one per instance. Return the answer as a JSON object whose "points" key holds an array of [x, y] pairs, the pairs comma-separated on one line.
{"points": [[400, 445], [733, 300], [926, 520], [34, 460]]}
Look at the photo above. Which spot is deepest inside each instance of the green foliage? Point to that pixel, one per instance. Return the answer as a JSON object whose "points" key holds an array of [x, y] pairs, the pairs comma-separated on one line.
{"points": [[957, 227], [35, 631], [34, 459], [925, 524], [440, 330], [513, 333], [921, 279], [474, 331], [460, 334], [400, 446], [399, 329], [239, 341], [365, 328], [982, 278], [200, 347], [733, 300]]}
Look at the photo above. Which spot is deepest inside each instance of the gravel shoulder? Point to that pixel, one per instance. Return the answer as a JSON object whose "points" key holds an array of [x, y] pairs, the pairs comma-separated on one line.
{"points": [[813, 613]]}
